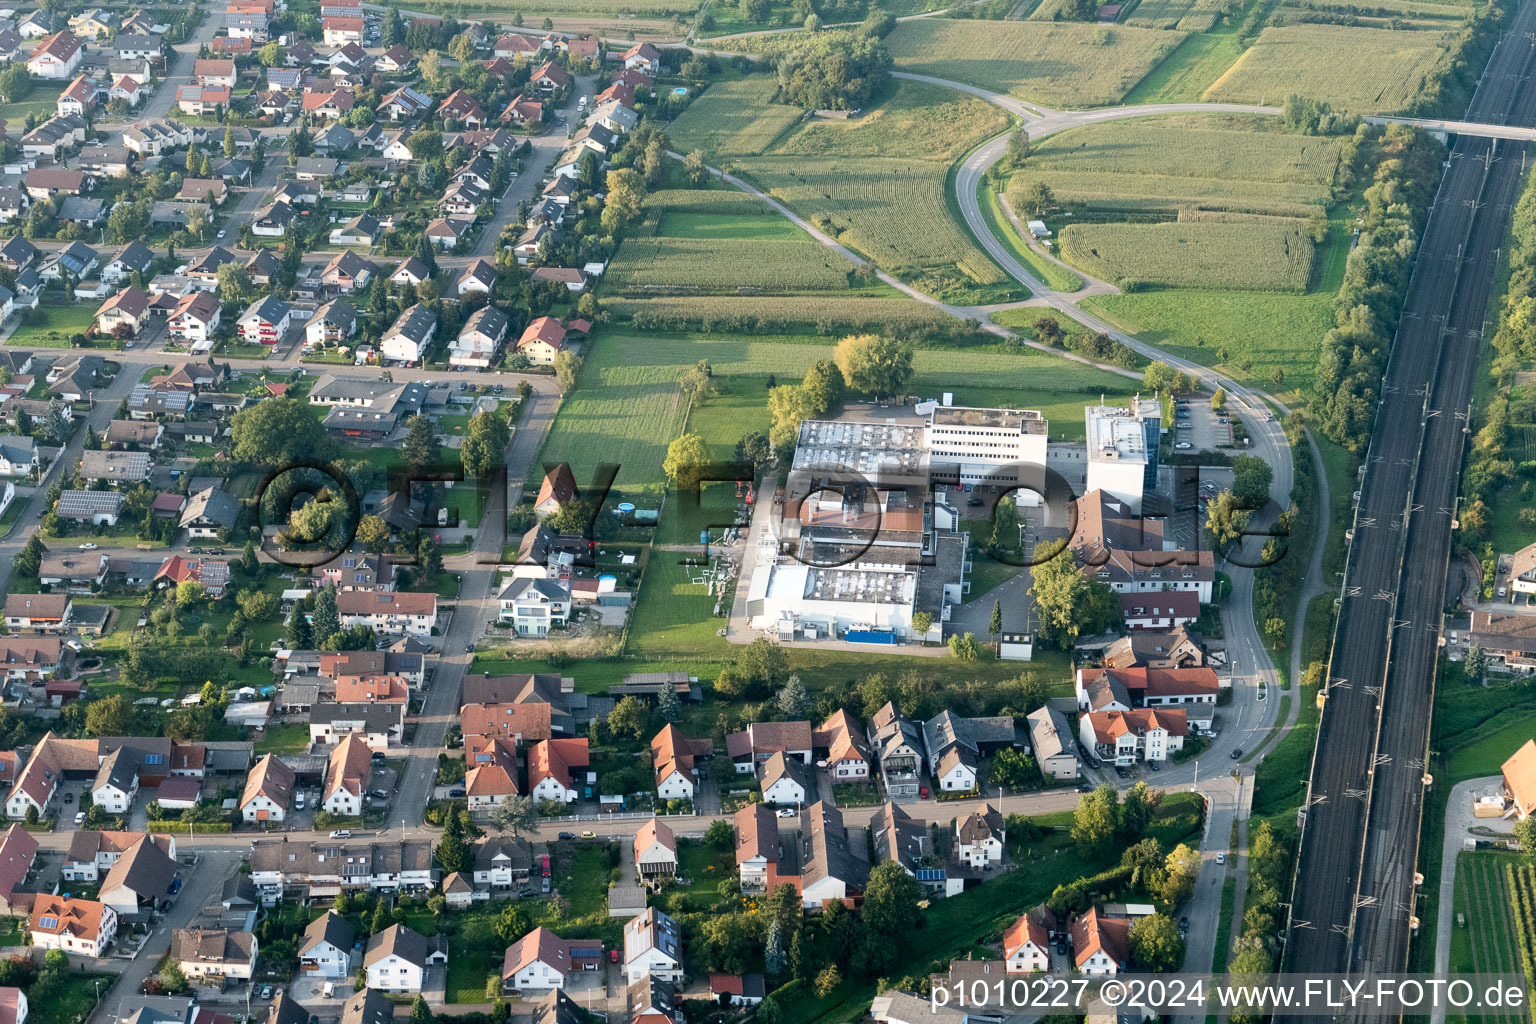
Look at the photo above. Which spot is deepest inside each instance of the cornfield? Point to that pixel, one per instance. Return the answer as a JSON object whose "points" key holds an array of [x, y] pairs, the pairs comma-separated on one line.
{"points": [[1064, 64], [1184, 15], [771, 315], [733, 119], [1252, 253], [1361, 70]]}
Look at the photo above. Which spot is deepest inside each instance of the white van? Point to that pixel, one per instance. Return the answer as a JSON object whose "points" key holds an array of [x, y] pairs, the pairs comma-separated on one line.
{"points": [[328, 991], [298, 801]]}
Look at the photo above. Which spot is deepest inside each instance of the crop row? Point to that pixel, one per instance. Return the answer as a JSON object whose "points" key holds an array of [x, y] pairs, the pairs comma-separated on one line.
{"points": [[1361, 70], [1065, 64], [1258, 254], [733, 119], [1185, 15]]}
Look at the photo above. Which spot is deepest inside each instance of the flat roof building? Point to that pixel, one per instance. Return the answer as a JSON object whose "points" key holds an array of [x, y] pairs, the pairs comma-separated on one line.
{"points": [[1122, 449]]}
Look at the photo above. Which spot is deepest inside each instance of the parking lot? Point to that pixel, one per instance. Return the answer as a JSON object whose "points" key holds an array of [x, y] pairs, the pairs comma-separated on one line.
{"points": [[1196, 427]]}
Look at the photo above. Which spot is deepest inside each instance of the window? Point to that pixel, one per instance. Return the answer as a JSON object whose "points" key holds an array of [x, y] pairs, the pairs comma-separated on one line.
{"points": [[154, 759], [48, 922]]}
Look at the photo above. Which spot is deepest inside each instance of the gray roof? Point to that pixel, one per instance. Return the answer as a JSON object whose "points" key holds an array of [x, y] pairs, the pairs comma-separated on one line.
{"points": [[83, 504], [375, 717], [378, 395], [414, 323], [212, 504], [826, 853], [96, 465], [328, 927], [269, 307], [18, 449], [118, 769], [1050, 733], [369, 1006], [397, 940], [338, 312]]}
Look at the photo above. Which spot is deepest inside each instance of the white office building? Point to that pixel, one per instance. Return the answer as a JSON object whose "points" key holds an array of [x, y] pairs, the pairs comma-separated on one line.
{"points": [[1122, 449]]}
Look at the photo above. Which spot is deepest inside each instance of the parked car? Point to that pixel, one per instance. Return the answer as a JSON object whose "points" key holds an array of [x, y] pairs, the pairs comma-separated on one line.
{"points": [[266, 992], [1183, 445], [381, 794], [589, 834], [87, 547], [342, 833], [175, 886], [457, 793], [786, 812], [566, 835], [528, 893]]}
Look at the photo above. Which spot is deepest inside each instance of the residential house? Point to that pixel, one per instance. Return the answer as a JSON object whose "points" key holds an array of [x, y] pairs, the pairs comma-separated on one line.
{"points": [[57, 57], [396, 959], [830, 870], [786, 780], [549, 78], [445, 233], [18, 455], [38, 613], [758, 847], [956, 745], [79, 97], [114, 467], [479, 277], [265, 321], [541, 341], [759, 741], [347, 272], [462, 107], [737, 989], [346, 777], [1519, 773], [361, 230], [1116, 546], [1141, 734], [194, 319], [81, 572], [980, 838], [325, 867], [502, 863], [573, 279], [1054, 746], [1027, 942], [381, 725], [642, 57], [839, 744], [140, 878], [480, 339], [269, 791], [411, 271], [549, 768], [408, 337], [325, 950], [653, 947], [211, 955], [1100, 943], [117, 782], [655, 851], [534, 606], [523, 111], [388, 613], [491, 778], [135, 257], [210, 513], [215, 73], [557, 488], [673, 758], [98, 508], [201, 99], [82, 927]]}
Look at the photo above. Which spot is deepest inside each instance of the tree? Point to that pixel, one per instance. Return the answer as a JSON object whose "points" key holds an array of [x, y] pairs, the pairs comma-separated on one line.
{"points": [[188, 593], [511, 923], [1136, 812], [890, 904], [1038, 198], [728, 942], [1251, 478], [297, 634], [259, 605], [567, 366], [963, 647], [1224, 520], [1160, 378], [630, 717], [58, 425], [230, 146], [1156, 944], [1066, 605], [278, 431], [793, 700], [831, 70], [325, 621], [874, 364], [922, 622], [1219, 400], [697, 380], [272, 56], [1095, 821], [763, 664], [1181, 869], [828, 978], [668, 707], [372, 533], [1005, 525], [1018, 147], [172, 977], [1476, 662], [452, 852], [420, 445], [28, 564], [695, 168], [128, 221], [109, 716], [720, 834], [15, 83], [626, 195], [484, 448], [686, 458], [517, 815], [1525, 834], [421, 1013]]}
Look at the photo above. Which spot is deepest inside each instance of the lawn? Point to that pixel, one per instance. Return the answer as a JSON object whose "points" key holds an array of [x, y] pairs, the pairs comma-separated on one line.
{"points": [[1062, 64], [629, 407], [68, 1003], [862, 181], [1054, 276], [55, 326], [284, 739], [1361, 70]]}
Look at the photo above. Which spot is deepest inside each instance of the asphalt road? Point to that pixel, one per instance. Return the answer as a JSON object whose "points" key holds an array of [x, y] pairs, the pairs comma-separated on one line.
{"points": [[1354, 892]]}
